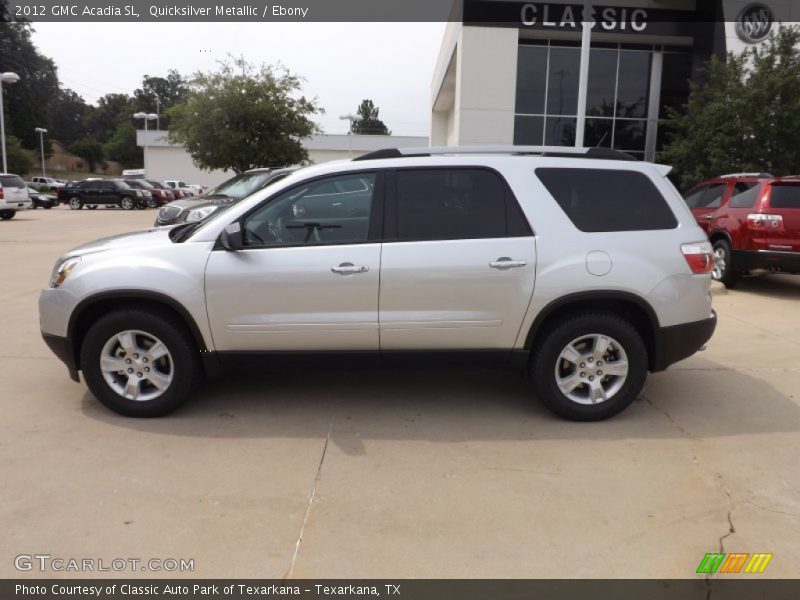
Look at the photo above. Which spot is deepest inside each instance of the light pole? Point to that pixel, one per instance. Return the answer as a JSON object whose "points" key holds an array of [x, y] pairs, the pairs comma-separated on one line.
{"points": [[41, 131], [7, 77], [146, 116], [158, 113], [352, 118]]}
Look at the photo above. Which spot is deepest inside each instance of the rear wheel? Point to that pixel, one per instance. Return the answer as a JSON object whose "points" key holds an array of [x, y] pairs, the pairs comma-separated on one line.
{"points": [[7, 214], [140, 364], [590, 366], [75, 203], [126, 203], [152, 203], [724, 269]]}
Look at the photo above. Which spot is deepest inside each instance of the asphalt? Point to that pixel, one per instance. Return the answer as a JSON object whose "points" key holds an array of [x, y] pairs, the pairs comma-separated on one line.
{"points": [[423, 473]]}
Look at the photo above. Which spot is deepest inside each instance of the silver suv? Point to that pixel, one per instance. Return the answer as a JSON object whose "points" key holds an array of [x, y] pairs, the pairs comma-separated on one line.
{"points": [[582, 266]]}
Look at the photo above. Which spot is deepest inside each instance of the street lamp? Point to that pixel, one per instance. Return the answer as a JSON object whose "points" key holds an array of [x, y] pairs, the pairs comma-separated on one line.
{"points": [[146, 116], [7, 77], [352, 118], [41, 131], [158, 112]]}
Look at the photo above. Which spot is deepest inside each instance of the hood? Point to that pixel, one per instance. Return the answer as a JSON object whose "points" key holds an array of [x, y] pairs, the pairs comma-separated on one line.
{"points": [[147, 237], [198, 202]]}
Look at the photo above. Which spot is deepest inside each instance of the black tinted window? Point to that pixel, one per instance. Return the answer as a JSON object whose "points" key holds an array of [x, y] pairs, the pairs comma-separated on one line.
{"points": [[11, 181], [744, 195], [785, 196], [446, 204], [608, 200]]}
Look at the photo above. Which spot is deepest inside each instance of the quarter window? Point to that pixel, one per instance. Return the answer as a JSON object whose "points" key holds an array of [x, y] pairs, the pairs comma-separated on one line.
{"points": [[334, 210], [445, 204], [608, 200]]}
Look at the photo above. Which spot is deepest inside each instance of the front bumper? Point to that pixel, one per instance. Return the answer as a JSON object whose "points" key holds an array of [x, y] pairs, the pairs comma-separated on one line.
{"points": [[62, 348], [681, 341], [750, 260]]}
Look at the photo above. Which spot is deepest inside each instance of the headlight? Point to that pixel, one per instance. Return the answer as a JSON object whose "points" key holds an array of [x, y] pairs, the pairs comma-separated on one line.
{"points": [[198, 214], [62, 271], [139, 193]]}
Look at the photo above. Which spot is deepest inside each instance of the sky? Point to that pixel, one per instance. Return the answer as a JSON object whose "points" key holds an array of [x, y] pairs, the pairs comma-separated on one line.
{"points": [[342, 63]]}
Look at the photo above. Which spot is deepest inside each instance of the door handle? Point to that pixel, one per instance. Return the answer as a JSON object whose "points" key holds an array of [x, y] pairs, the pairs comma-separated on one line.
{"points": [[347, 268], [708, 217], [504, 262]]}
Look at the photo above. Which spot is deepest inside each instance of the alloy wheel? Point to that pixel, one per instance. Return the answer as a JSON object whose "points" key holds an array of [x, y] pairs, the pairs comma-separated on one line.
{"points": [[591, 369], [137, 365]]}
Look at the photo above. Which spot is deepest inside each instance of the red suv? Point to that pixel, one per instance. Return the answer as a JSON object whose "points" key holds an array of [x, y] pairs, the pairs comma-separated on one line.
{"points": [[753, 221]]}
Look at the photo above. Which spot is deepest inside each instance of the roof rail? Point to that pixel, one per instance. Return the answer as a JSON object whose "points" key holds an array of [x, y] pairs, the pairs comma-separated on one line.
{"points": [[560, 151], [760, 175]]}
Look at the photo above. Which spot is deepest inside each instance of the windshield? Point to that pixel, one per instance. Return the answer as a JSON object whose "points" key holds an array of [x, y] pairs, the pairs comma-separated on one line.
{"points": [[242, 185], [11, 181]]}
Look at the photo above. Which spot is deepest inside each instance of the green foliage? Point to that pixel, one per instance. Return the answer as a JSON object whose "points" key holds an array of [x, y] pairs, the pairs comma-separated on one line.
{"points": [[19, 160], [69, 114], [90, 150], [123, 149], [27, 103], [369, 123], [111, 111], [169, 90], [745, 116], [244, 116]]}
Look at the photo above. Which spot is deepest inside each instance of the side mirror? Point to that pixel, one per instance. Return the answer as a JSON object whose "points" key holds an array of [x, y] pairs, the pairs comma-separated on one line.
{"points": [[231, 237]]}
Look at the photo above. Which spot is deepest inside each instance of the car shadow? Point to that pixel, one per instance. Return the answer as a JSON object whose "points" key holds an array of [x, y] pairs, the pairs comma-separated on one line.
{"points": [[773, 286], [697, 398]]}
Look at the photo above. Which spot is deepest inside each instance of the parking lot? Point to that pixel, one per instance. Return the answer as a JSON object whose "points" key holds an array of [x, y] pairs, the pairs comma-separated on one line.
{"points": [[400, 473]]}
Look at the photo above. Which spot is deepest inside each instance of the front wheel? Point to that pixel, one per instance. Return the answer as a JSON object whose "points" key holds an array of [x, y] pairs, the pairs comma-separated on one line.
{"points": [[7, 214], [126, 203], [724, 269], [140, 364], [590, 366], [75, 203]]}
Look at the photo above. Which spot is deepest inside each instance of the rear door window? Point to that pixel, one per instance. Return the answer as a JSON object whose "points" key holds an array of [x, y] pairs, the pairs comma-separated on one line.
{"points": [[744, 194], [454, 203], [598, 200], [785, 196], [707, 196]]}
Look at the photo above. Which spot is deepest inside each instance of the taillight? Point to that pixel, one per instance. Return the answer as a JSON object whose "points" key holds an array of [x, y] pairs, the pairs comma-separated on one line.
{"points": [[763, 222], [1, 193], [699, 257]]}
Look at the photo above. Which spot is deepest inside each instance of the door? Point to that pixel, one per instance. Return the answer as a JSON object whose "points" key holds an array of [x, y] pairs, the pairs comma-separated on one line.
{"points": [[307, 279], [704, 200], [458, 262]]}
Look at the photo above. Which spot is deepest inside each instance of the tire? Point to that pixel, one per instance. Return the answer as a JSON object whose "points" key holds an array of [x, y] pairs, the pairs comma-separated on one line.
{"points": [[47, 206], [127, 203], [91, 206], [7, 215], [75, 203], [724, 270], [179, 369], [152, 203], [578, 336]]}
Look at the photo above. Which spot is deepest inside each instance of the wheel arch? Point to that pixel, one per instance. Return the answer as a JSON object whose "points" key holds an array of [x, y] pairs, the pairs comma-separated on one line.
{"points": [[720, 234], [629, 306], [94, 307]]}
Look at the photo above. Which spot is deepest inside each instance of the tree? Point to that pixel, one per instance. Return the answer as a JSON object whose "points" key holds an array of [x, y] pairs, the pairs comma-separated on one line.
{"points": [[122, 147], [27, 103], [19, 160], [112, 110], [89, 150], [244, 116], [369, 123], [169, 90], [744, 116], [69, 115]]}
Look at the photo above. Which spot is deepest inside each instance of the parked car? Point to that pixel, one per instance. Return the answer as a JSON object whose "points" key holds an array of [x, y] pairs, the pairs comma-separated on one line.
{"points": [[13, 196], [108, 192], [176, 184], [753, 222], [49, 182], [41, 200], [167, 192], [153, 198], [222, 196], [198, 190], [419, 252]]}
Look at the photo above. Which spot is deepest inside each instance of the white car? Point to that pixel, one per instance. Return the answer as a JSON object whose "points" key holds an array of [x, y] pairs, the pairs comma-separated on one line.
{"points": [[51, 183], [177, 184], [582, 266], [13, 196]]}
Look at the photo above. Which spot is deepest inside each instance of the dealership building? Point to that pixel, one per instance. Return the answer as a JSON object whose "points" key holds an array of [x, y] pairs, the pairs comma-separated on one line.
{"points": [[508, 72]]}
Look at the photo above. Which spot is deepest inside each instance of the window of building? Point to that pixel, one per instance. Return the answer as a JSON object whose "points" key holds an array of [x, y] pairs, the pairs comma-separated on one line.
{"points": [[598, 200]]}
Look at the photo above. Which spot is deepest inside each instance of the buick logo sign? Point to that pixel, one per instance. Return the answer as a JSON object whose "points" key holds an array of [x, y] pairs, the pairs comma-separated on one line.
{"points": [[754, 23]]}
